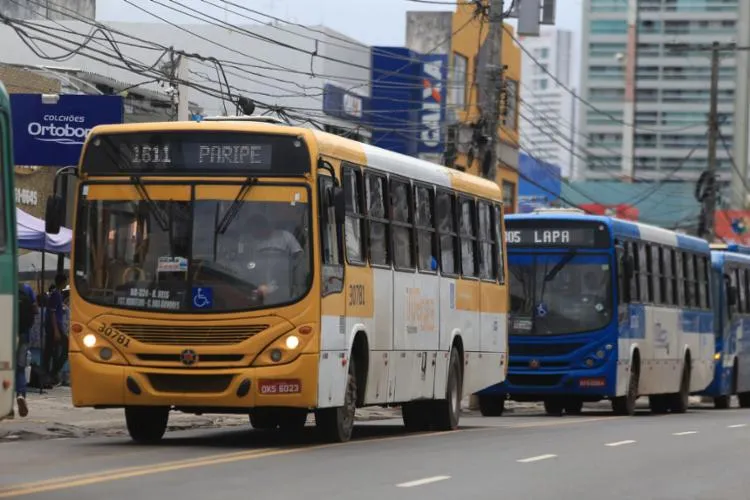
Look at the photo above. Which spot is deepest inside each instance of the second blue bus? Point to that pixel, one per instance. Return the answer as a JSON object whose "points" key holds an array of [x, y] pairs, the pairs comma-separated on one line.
{"points": [[603, 308]]}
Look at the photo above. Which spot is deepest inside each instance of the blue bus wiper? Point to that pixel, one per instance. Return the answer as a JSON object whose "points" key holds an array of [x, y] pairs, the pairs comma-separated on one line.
{"points": [[234, 208], [560, 265]]}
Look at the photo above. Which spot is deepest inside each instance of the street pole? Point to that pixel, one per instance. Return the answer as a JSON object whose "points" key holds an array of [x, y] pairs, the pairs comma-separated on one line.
{"points": [[629, 115], [713, 135], [738, 194], [492, 89], [183, 111]]}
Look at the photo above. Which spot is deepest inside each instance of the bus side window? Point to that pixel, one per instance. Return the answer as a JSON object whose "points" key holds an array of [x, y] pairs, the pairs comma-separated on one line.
{"points": [[635, 285], [330, 242], [377, 220], [446, 226], [499, 240], [354, 229], [746, 286], [486, 242], [700, 281], [643, 273], [622, 286], [467, 227], [667, 275], [402, 230], [424, 211], [741, 291], [689, 271], [680, 275]]}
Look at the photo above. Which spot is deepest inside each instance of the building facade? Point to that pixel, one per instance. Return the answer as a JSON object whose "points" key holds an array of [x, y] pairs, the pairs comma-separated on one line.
{"points": [[547, 116], [671, 88]]}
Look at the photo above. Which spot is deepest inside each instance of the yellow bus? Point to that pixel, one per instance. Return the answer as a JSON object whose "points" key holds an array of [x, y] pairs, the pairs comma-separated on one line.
{"points": [[239, 266]]}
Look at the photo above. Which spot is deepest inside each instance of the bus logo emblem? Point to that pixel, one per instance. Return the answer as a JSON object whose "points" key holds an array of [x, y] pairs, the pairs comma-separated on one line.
{"points": [[534, 364], [188, 357]]}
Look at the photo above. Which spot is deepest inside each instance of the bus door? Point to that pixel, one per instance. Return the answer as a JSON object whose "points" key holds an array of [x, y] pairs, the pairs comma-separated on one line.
{"points": [[416, 290]]}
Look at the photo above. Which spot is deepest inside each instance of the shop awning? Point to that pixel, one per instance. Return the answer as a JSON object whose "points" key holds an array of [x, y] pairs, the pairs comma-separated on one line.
{"points": [[32, 236]]}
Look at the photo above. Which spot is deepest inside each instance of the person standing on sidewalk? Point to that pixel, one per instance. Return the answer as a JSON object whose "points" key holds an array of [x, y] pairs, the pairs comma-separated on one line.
{"points": [[56, 329], [27, 311]]}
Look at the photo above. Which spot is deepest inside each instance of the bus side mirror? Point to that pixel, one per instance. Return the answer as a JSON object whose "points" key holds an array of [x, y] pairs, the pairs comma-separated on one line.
{"points": [[53, 214], [339, 205]]}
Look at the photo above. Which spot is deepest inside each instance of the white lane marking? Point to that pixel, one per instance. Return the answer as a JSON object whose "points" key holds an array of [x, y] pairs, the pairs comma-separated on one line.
{"points": [[684, 433], [535, 459], [620, 443], [420, 482], [736, 426]]}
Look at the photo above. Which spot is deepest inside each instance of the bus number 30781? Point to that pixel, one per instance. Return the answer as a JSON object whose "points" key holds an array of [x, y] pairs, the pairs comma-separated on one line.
{"points": [[114, 335]]}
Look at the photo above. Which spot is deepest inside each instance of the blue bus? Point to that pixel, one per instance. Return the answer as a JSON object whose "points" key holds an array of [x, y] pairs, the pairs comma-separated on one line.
{"points": [[603, 308], [731, 281]]}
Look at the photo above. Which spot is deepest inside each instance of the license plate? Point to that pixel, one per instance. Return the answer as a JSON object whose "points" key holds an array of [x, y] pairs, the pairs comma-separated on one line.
{"points": [[592, 382], [293, 386]]}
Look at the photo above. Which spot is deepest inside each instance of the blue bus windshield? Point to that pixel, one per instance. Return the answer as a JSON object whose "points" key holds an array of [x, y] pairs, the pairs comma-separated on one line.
{"points": [[560, 293]]}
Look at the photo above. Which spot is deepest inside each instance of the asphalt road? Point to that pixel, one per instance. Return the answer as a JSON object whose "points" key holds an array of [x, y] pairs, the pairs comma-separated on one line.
{"points": [[703, 454]]}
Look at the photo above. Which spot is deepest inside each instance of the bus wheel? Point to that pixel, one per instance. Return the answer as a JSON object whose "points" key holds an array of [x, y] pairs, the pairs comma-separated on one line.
{"points": [[659, 404], [336, 424], [263, 419], [573, 406], [744, 398], [416, 415], [722, 402], [491, 406], [445, 417], [146, 424], [625, 405], [680, 401], [554, 407]]}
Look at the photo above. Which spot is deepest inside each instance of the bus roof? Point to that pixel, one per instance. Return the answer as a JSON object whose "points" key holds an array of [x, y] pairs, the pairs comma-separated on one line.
{"points": [[332, 145], [627, 229]]}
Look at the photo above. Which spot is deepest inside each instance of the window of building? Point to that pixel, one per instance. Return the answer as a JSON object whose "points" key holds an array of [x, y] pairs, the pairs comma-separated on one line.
{"points": [[460, 75], [509, 197], [601, 27]]}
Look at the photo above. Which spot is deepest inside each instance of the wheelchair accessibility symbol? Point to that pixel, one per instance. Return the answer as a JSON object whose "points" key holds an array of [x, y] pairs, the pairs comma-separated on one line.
{"points": [[203, 297], [541, 310]]}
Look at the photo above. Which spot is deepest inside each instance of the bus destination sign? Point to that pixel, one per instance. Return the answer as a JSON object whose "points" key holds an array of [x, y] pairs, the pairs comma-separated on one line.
{"points": [[191, 153], [583, 237]]}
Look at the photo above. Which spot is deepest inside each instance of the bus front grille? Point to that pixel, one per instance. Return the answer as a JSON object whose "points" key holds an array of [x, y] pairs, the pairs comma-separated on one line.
{"points": [[189, 383], [534, 380], [562, 349], [190, 335]]}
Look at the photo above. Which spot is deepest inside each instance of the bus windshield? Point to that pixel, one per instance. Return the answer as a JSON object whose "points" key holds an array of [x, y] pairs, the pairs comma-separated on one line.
{"points": [[560, 293], [187, 254]]}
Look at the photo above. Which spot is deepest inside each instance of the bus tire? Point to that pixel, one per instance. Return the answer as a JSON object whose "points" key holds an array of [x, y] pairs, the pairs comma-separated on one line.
{"points": [[491, 406], [336, 424], [680, 401], [744, 399], [447, 411], [416, 415], [554, 407], [625, 405], [146, 424], [659, 404], [722, 402], [573, 406]]}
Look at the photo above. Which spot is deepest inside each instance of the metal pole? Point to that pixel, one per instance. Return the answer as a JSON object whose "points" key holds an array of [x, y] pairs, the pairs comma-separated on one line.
{"points": [[183, 111], [628, 118], [571, 160], [713, 134], [493, 80]]}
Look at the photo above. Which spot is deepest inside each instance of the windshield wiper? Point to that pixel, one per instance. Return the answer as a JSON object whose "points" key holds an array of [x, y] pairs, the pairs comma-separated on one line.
{"points": [[560, 265], [234, 208], [153, 207]]}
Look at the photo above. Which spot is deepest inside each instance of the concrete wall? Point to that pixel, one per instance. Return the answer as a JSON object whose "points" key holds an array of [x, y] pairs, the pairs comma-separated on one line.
{"points": [[49, 9]]}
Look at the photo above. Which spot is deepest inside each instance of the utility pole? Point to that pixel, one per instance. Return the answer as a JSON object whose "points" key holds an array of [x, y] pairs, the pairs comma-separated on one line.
{"points": [[713, 135], [183, 111], [629, 115], [493, 78]]}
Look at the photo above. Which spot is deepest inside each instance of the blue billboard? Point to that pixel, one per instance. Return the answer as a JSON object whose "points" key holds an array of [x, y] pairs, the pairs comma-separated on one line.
{"points": [[433, 98], [396, 99], [52, 134], [539, 185], [343, 104]]}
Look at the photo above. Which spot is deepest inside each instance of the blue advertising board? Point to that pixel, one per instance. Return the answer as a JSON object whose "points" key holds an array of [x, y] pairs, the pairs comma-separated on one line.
{"points": [[546, 185], [433, 97], [343, 104], [396, 98], [53, 134]]}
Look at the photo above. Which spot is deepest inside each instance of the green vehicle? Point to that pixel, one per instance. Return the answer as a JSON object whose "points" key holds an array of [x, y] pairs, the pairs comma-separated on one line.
{"points": [[8, 260]]}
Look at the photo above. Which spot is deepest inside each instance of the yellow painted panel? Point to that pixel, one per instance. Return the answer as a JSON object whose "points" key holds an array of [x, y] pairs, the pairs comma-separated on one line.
{"points": [[283, 194], [359, 292], [128, 192], [467, 295]]}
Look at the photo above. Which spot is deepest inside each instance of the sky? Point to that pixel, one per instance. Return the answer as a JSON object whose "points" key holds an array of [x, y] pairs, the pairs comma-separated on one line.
{"points": [[374, 22]]}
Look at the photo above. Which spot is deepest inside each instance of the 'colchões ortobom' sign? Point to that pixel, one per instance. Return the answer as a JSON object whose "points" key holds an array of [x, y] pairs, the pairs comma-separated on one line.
{"points": [[53, 134]]}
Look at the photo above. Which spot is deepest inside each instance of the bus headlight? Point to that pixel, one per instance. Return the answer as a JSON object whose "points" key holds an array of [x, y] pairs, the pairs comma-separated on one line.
{"points": [[286, 348], [89, 340], [717, 356]]}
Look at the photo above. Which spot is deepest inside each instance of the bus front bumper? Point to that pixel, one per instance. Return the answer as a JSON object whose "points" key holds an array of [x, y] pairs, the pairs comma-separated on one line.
{"points": [[534, 385], [104, 385]]}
